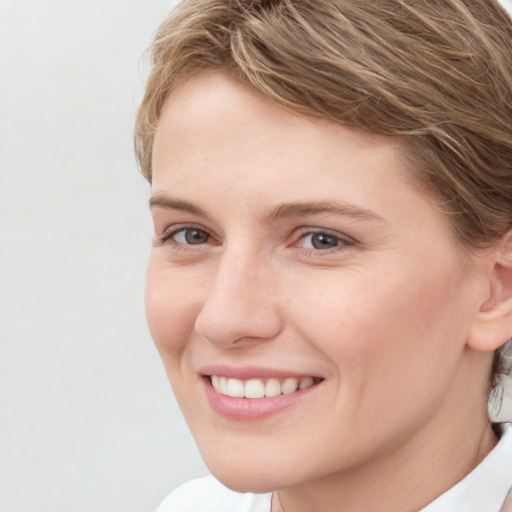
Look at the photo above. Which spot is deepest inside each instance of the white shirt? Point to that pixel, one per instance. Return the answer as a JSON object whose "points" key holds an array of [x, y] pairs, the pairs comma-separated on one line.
{"points": [[483, 490]]}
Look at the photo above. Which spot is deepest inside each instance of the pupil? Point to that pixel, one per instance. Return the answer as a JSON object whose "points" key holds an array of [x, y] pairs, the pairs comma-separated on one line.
{"points": [[195, 236], [324, 241]]}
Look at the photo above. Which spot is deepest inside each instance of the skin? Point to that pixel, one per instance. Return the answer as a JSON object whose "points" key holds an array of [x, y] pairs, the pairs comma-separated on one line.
{"points": [[384, 316]]}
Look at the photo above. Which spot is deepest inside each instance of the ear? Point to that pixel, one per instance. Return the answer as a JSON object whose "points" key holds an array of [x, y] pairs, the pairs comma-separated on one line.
{"points": [[493, 325]]}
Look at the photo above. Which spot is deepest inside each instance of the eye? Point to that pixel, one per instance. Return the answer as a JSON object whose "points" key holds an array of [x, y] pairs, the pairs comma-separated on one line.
{"points": [[186, 241], [183, 236], [322, 241], [189, 236]]}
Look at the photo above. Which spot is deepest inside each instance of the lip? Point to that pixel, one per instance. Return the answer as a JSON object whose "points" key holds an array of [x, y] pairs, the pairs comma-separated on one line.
{"points": [[251, 409], [249, 372]]}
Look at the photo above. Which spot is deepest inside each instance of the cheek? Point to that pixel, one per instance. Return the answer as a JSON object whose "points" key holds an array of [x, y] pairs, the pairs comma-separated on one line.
{"points": [[385, 327], [390, 344], [170, 312]]}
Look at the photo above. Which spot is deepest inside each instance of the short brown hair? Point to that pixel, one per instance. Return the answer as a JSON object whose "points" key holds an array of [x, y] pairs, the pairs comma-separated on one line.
{"points": [[437, 72]]}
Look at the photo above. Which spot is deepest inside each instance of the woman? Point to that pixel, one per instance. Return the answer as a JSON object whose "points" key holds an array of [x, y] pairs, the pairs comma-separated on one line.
{"points": [[330, 285]]}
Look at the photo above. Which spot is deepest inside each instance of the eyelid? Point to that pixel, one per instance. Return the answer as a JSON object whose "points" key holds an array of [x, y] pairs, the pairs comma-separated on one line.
{"points": [[171, 231], [344, 240]]}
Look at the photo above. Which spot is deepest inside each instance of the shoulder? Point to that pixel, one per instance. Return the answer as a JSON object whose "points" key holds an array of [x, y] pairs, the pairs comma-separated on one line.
{"points": [[209, 495]]}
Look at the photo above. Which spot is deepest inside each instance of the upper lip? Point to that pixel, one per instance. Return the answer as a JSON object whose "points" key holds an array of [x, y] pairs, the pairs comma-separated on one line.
{"points": [[250, 372]]}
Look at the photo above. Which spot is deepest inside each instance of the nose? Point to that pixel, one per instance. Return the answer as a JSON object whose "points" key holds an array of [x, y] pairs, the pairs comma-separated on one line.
{"points": [[240, 305]]}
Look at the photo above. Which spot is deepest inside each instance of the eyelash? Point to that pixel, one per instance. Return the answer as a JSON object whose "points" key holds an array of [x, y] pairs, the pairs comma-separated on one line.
{"points": [[341, 241], [167, 237]]}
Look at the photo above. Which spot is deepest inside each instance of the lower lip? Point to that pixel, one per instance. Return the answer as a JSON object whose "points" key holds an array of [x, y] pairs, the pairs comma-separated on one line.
{"points": [[252, 409]]}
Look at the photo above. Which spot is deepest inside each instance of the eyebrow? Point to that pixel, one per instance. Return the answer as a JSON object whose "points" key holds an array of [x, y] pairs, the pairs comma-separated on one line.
{"points": [[323, 207], [286, 210], [161, 200]]}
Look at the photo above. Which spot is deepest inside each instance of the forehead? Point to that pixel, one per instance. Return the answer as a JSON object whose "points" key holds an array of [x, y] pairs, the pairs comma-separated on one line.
{"points": [[215, 115]]}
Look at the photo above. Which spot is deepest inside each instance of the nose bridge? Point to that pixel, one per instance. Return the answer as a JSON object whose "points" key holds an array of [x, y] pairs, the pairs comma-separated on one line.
{"points": [[240, 303], [239, 265]]}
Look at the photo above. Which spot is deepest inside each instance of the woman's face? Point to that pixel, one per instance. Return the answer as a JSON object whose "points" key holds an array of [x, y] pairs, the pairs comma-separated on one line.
{"points": [[294, 253]]}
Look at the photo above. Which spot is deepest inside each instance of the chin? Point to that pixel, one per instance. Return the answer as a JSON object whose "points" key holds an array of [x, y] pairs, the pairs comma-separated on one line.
{"points": [[250, 473], [248, 481]]}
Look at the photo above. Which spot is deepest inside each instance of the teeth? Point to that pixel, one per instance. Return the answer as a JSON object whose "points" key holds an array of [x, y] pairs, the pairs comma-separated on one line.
{"points": [[235, 388], [305, 382], [254, 388], [223, 385], [258, 388], [289, 386], [272, 388]]}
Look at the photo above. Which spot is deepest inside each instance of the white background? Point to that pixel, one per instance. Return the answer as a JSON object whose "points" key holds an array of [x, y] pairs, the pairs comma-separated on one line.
{"points": [[87, 419]]}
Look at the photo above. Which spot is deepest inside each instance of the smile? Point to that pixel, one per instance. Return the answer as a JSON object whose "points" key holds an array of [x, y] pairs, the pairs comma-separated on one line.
{"points": [[260, 388], [253, 394]]}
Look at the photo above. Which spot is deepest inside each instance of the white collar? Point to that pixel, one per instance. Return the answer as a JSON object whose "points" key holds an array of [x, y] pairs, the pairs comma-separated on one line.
{"points": [[486, 487]]}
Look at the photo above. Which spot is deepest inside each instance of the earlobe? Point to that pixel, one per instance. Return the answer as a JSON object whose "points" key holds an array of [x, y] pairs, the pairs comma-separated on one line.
{"points": [[493, 326]]}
